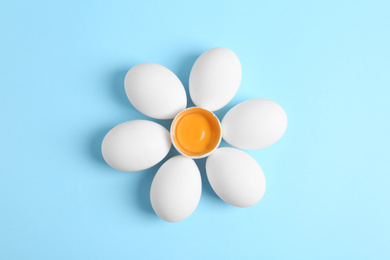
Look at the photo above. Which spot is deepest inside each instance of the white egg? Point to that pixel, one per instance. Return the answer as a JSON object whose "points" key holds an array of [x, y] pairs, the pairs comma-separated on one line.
{"points": [[235, 177], [254, 124], [215, 78], [176, 189], [155, 91], [135, 145]]}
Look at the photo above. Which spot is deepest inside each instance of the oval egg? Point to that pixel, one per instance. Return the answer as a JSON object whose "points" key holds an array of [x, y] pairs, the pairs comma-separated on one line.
{"points": [[215, 78], [235, 177], [176, 189], [135, 145], [254, 124], [155, 91]]}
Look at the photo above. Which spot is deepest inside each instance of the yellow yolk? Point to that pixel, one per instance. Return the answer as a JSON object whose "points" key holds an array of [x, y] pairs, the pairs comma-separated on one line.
{"points": [[196, 131]]}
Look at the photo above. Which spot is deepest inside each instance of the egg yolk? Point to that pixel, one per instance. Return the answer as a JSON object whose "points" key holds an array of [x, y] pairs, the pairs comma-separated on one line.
{"points": [[196, 131]]}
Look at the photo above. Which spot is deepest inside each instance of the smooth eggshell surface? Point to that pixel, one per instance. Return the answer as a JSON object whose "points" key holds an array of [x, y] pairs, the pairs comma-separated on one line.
{"points": [[215, 78], [155, 91], [135, 145], [176, 189], [235, 177], [254, 124]]}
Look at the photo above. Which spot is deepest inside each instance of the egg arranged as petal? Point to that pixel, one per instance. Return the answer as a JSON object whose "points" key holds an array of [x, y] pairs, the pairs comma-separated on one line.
{"points": [[196, 133], [176, 189], [254, 124], [155, 91], [215, 78], [135, 145], [235, 177]]}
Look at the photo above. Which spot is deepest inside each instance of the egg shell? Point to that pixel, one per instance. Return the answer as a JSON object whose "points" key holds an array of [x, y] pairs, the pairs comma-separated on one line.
{"points": [[215, 78], [235, 177], [254, 124], [214, 122], [176, 189], [135, 145], [155, 91]]}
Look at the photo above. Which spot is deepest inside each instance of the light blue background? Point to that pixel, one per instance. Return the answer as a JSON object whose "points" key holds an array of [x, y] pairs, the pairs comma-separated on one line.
{"points": [[62, 65]]}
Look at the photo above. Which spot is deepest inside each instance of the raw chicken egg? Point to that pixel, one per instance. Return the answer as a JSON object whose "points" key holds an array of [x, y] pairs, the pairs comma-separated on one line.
{"points": [[236, 177], [176, 189], [196, 132], [135, 145], [155, 91], [254, 124], [215, 78]]}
